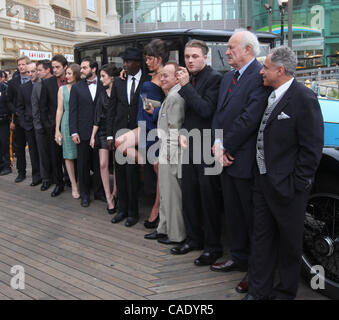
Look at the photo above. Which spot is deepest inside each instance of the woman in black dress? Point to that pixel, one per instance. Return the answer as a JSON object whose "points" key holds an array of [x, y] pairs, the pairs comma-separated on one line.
{"points": [[99, 137]]}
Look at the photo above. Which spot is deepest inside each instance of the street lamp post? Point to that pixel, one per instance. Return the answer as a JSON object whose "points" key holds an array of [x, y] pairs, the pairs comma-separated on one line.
{"points": [[282, 5], [268, 7]]}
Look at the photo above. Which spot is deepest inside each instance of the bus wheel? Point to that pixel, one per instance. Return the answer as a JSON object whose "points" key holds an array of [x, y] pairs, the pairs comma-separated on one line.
{"points": [[321, 241]]}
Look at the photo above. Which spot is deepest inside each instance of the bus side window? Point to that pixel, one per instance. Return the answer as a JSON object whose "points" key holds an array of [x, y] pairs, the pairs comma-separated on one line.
{"points": [[114, 55]]}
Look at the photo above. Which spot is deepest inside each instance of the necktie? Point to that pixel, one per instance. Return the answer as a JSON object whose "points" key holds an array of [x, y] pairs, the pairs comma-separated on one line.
{"points": [[271, 99], [89, 82], [132, 90], [234, 80]]}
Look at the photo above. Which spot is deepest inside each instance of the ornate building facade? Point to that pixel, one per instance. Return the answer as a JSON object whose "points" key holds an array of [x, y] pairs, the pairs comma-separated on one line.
{"points": [[43, 28]]}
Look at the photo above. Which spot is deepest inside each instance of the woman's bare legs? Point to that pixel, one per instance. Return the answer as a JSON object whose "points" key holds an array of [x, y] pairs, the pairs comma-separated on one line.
{"points": [[156, 206], [126, 144], [71, 173], [104, 171]]}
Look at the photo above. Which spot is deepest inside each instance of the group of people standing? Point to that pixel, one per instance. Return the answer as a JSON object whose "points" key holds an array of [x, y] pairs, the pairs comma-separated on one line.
{"points": [[38, 106], [267, 139]]}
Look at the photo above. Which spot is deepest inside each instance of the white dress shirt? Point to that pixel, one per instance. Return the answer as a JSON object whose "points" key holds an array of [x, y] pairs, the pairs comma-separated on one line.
{"points": [[130, 82], [279, 92], [93, 88]]}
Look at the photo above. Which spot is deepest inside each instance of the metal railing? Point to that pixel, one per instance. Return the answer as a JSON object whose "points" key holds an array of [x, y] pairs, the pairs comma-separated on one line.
{"points": [[330, 73]]}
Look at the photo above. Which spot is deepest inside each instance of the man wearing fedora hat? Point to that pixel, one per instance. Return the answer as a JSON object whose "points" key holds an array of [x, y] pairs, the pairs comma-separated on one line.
{"points": [[123, 115]]}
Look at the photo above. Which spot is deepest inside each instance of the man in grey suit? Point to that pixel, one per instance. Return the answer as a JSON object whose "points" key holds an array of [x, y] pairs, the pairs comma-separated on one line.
{"points": [[171, 228], [44, 71]]}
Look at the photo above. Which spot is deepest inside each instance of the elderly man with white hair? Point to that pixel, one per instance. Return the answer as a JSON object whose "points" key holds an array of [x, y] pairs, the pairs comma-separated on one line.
{"points": [[241, 103]]}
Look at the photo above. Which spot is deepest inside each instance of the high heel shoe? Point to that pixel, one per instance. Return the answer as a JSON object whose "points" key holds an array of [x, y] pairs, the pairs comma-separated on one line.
{"points": [[151, 224], [113, 210]]}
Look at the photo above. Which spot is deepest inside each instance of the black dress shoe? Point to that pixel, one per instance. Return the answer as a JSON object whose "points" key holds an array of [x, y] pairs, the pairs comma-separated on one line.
{"points": [[5, 172], [57, 190], [35, 183], [207, 258], [119, 217], [184, 249], [228, 266], [166, 240], [85, 202], [100, 197], [45, 186], [131, 221], [155, 235], [20, 178], [242, 286], [151, 225]]}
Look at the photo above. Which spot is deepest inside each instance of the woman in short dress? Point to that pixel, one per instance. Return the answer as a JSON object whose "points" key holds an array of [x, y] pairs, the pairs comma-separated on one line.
{"points": [[99, 136], [156, 56], [62, 134]]}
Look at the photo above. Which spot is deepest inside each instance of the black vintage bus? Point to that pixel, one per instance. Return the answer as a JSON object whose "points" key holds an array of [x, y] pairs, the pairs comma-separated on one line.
{"points": [[321, 238], [109, 50]]}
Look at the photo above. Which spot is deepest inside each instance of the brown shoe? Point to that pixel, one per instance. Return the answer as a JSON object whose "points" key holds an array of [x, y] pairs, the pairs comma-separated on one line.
{"points": [[228, 266], [242, 286]]}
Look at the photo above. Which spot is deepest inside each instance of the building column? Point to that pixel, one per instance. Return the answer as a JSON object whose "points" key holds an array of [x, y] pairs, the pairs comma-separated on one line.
{"points": [[3, 8], [111, 20], [47, 15], [80, 22]]}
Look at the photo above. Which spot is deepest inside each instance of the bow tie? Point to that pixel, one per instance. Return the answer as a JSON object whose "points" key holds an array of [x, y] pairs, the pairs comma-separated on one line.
{"points": [[89, 82]]}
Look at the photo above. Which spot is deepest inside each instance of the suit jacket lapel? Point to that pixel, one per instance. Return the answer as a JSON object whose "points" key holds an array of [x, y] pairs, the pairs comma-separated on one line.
{"points": [[248, 71], [282, 103], [86, 89], [99, 89], [123, 91]]}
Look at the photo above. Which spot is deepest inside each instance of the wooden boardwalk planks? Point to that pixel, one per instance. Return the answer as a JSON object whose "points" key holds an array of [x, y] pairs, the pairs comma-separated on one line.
{"points": [[70, 253]]}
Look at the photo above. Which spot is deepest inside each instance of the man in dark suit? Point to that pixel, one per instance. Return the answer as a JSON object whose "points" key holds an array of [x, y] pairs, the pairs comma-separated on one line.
{"points": [[48, 106], [123, 115], [240, 107], [25, 119], [82, 102], [199, 190], [5, 161], [19, 137], [288, 152], [44, 71]]}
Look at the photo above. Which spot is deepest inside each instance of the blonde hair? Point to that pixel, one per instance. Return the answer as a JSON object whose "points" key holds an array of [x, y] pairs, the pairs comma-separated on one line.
{"points": [[28, 60]]}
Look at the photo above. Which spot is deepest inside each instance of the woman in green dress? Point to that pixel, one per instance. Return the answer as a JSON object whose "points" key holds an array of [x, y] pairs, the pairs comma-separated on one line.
{"points": [[62, 135]]}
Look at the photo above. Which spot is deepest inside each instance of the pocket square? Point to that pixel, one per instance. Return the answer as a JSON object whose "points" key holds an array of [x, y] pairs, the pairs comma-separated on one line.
{"points": [[283, 116]]}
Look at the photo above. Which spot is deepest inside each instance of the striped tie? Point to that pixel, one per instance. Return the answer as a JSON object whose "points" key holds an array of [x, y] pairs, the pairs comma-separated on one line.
{"points": [[234, 81]]}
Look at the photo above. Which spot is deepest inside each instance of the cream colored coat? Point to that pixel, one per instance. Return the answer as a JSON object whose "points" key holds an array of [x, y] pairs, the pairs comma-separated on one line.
{"points": [[171, 118]]}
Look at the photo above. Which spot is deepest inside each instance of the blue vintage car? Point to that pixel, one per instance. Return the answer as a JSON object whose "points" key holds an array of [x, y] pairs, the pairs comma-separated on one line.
{"points": [[321, 236]]}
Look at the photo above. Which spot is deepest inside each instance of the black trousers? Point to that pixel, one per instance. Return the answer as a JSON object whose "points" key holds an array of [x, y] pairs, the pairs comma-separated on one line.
{"points": [[238, 208], [87, 159], [44, 155], [19, 140], [33, 154], [5, 161], [277, 243], [200, 207], [56, 158], [127, 178]]}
